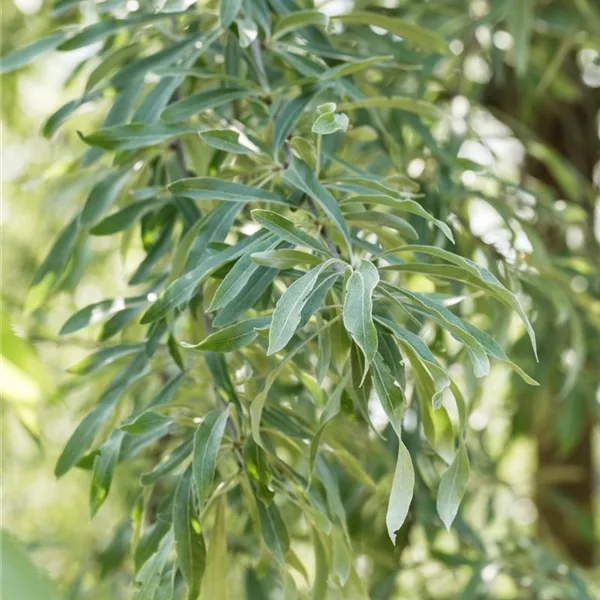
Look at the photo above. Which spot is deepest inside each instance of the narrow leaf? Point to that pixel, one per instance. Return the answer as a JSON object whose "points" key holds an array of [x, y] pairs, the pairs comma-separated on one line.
{"points": [[189, 541], [358, 309], [233, 337], [414, 35], [402, 492], [207, 441], [453, 486]]}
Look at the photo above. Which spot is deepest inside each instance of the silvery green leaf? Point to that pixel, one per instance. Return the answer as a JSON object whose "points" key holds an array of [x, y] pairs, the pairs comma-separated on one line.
{"points": [[453, 486], [358, 309], [402, 492]]}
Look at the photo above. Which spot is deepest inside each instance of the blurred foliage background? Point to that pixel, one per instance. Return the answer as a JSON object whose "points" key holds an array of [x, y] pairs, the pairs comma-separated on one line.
{"points": [[525, 77]]}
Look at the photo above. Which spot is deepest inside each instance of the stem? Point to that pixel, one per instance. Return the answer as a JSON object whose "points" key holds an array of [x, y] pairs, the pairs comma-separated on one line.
{"points": [[318, 164]]}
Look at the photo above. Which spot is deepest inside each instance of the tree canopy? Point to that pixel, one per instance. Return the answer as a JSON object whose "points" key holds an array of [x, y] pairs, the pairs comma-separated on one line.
{"points": [[331, 240]]}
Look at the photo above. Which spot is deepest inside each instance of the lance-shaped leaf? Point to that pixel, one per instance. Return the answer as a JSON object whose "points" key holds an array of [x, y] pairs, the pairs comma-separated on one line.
{"points": [[103, 357], [215, 585], [228, 10], [233, 337], [207, 441], [288, 117], [468, 272], [288, 311], [390, 395], [135, 135], [274, 531], [402, 492], [303, 178], [229, 141], [414, 35], [98, 311], [401, 204], [238, 277], [105, 463], [189, 541], [23, 56], [139, 68], [453, 486], [375, 220], [102, 196], [330, 410], [284, 259], [150, 575], [181, 290], [85, 433], [127, 216], [450, 322], [418, 107], [354, 67], [65, 111], [358, 309], [205, 100], [298, 19], [212, 188], [287, 230]]}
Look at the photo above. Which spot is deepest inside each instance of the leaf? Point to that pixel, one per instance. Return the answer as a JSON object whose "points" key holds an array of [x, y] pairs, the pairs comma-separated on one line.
{"points": [[274, 531], [402, 492], [450, 322], [233, 337], [228, 10], [215, 581], [105, 463], [139, 68], [237, 278], [358, 309], [302, 177], [202, 101], [288, 117], [98, 311], [83, 436], [521, 16], [229, 141], [298, 19], [181, 290], [252, 292], [284, 259], [23, 56], [453, 485], [135, 135], [103, 357], [354, 67], [146, 422], [109, 62], [287, 230], [20, 577], [401, 204], [64, 112], [102, 196], [207, 441], [124, 218], [330, 123], [288, 311], [475, 275], [150, 574], [174, 459], [412, 105], [212, 188], [381, 219], [414, 35], [330, 411], [189, 541], [390, 395]]}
